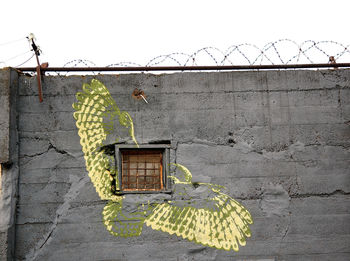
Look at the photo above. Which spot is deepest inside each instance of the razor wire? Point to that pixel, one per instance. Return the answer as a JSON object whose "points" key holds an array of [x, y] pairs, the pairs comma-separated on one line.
{"points": [[283, 51]]}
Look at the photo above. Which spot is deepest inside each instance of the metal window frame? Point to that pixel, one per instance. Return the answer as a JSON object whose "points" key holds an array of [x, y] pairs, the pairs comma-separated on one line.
{"points": [[165, 148]]}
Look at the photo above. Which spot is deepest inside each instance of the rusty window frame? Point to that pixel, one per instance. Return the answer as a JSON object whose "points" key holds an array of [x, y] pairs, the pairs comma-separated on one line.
{"points": [[142, 170], [164, 152]]}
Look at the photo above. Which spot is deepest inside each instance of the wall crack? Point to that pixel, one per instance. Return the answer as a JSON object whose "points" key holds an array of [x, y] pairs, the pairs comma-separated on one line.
{"points": [[77, 185], [334, 193]]}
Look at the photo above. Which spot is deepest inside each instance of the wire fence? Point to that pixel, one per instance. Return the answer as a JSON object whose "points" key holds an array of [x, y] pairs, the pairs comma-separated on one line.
{"points": [[19, 57], [283, 51]]}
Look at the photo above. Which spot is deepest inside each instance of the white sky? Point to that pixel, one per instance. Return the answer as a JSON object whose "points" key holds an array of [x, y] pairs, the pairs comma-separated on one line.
{"points": [[107, 32]]}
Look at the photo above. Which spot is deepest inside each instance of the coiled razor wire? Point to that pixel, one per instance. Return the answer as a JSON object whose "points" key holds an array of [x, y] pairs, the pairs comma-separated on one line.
{"points": [[283, 51]]}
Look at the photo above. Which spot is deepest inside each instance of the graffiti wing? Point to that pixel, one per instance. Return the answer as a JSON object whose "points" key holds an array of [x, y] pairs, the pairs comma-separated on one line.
{"points": [[120, 222], [223, 228], [95, 112]]}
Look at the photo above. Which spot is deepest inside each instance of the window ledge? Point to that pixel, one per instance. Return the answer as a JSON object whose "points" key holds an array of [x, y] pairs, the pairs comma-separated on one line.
{"points": [[144, 192]]}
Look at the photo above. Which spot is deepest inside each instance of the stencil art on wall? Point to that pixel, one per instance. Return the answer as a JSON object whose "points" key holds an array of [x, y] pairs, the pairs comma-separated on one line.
{"points": [[217, 220]]}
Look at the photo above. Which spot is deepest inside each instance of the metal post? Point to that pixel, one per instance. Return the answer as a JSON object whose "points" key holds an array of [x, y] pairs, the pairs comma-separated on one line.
{"points": [[38, 70]]}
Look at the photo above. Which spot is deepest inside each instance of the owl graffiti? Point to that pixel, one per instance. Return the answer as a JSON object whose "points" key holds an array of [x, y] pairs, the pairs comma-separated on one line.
{"points": [[218, 221]]}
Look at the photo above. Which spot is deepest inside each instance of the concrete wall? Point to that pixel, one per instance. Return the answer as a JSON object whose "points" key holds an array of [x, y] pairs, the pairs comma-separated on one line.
{"points": [[279, 140], [9, 169]]}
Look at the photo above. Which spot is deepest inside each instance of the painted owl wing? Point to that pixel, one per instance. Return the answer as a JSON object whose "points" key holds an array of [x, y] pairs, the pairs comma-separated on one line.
{"points": [[94, 113], [120, 222], [224, 227], [187, 176]]}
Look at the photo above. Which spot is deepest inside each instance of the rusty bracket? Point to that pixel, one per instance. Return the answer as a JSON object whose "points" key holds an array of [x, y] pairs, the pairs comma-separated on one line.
{"points": [[139, 94], [333, 61]]}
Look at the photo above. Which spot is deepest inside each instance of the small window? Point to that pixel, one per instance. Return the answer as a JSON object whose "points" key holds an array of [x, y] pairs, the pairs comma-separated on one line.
{"points": [[142, 170]]}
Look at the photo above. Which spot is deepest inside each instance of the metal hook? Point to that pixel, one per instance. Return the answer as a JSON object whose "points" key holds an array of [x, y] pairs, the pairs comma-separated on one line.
{"points": [[139, 94]]}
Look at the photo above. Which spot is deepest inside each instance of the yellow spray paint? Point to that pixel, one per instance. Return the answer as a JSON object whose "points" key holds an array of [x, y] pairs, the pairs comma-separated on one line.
{"points": [[224, 226]]}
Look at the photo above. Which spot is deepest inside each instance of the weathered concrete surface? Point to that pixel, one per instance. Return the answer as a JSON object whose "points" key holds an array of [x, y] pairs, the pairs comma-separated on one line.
{"points": [[5, 78], [278, 140], [8, 162]]}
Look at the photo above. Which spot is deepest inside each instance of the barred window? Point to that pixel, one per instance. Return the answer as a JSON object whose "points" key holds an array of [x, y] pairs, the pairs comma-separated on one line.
{"points": [[143, 169]]}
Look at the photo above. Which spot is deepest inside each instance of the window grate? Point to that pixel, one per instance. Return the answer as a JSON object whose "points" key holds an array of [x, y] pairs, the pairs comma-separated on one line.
{"points": [[142, 170]]}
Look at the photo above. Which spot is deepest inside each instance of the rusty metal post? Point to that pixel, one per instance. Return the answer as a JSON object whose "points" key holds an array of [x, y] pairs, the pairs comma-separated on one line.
{"points": [[38, 69]]}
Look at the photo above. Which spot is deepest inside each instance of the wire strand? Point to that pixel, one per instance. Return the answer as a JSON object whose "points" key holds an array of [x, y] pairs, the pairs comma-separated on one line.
{"points": [[26, 61], [14, 57], [13, 41]]}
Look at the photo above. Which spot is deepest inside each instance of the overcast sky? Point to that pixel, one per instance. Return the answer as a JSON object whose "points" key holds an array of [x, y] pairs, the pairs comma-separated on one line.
{"points": [[107, 32]]}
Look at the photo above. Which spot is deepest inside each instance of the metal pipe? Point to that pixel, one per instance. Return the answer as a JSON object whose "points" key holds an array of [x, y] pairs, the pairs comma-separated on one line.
{"points": [[38, 71], [187, 68]]}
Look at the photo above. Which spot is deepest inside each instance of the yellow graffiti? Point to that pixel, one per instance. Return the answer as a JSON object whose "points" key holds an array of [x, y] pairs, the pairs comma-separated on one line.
{"points": [[226, 227], [95, 111], [219, 222], [94, 114]]}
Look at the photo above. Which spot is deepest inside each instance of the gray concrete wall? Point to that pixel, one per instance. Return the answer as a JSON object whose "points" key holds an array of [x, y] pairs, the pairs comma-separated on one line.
{"points": [[9, 169], [279, 140]]}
